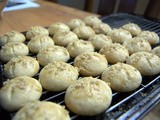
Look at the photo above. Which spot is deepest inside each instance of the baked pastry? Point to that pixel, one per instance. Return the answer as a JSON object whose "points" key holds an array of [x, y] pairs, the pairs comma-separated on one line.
{"points": [[57, 76], [133, 28], [35, 31], [156, 51], [64, 38], [90, 63], [150, 36], [122, 77], [147, 63], [88, 96], [21, 65], [115, 53], [12, 36], [38, 43], [137, 44], [19, 91], [102, 28], [120, 35], [44, 110], [92, 20], [58, 27], [51, 54], [100, 40], [74, 23], [13, 49], [84, 32], [78, 47]]}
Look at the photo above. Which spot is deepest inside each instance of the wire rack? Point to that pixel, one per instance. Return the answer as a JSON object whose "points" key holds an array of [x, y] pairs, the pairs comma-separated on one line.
{"points": [[131, 105]]}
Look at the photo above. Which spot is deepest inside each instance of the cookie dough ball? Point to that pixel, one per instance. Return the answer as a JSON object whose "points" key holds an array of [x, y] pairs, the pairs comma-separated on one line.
{"points": [[21, 65], [13, 49], [44, 110], [100, 40], [51, 54], [151, 37], [137, 44], [64, 38], [92, 20], [84, 32], [102, 28], [156, 51], [38, 43], [78, 47], [35, 31], [115, 53], [58, 27], [12, 36], [134, 29], [57, 76], [88, 96], [19, 91], [74, 23], [122, 77], [147, 63], [90, 63], [120, 35]]}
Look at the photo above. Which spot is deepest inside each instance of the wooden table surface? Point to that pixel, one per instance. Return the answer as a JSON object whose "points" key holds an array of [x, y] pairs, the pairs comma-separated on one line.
{"points": [[45, 15]]}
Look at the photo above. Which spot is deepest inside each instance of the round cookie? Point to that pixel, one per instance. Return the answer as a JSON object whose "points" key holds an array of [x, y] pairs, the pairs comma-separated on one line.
{"points": [[78, 47], [64, 38], [12, 36], [120, 35], [58, 27], [122, 77], [92, 20], [115, 53], [146, 63], [16, 92], [57, 76], [51, 54], [133, 28], [13, 49], [74, 23], [137, 44], [38, 43], [88, 96], [102, 28], [21, 65], [90, 63], [35, 31], [100, 40], [44, 110], [156, 51], [150, 36], [84, 32]]}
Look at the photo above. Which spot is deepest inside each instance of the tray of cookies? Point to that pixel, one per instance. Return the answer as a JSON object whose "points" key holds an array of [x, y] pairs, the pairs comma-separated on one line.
{"points": [[92, 68]]}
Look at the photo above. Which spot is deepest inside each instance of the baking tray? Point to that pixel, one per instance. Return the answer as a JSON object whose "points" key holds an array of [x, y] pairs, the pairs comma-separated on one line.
{"points": [[131, 105]]}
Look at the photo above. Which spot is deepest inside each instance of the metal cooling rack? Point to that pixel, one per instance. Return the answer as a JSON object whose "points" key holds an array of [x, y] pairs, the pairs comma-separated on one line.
{"points": [[131, 105]]}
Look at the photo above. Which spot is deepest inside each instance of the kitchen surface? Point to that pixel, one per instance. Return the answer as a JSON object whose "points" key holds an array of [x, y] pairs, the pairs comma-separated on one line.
{"points": [[46, 12]]}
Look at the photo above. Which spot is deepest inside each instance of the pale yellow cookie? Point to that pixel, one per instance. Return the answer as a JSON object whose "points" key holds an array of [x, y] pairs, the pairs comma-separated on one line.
{"points": [[35, 31], [44, 110], [57, 76], [18, 91], [122, 77], [147, 63], [12, 36], [90, 63], [88, 96]]}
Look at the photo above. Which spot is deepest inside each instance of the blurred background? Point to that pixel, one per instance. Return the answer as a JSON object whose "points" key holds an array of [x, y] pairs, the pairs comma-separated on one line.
{"points": [[148, 8]]}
